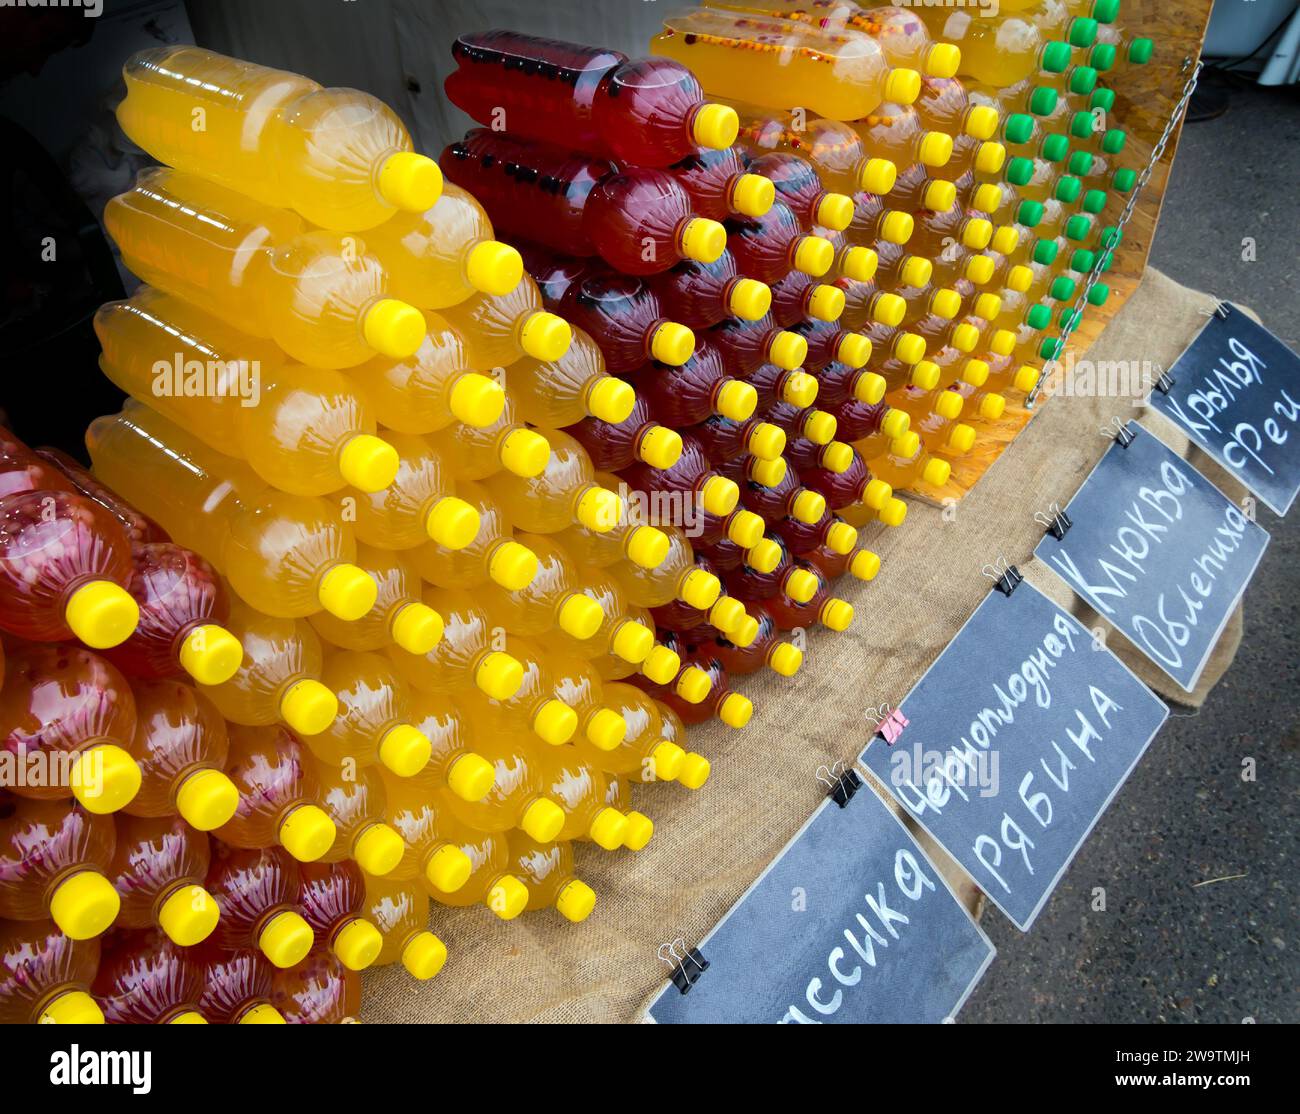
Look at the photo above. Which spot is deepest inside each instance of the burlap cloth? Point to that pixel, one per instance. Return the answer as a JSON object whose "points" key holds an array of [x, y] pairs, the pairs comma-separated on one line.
{"points": [[710, 845]]}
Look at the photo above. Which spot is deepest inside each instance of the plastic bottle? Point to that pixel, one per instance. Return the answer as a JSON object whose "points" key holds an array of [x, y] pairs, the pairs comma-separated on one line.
{"points": [[798, 297], [646, 112], [547, 870], [146, 979], [677, 576], [719, 185], [453, 764], [474, 453], [532, 709], [157, 869], [317, 991], [701, 294], [616, 445], [564, 491], [578, 684], [236, 987], [797, 184], [338, 156], [682, 396], [45, 975], [398, 615], [400, 911], [644, 755], [490, 882], [907, 463], [560, 392], [833, 148], [731, 707], [288, 556], [420, 816], [333, 897], [638, 220], [493, 556], [768, 247], [257, 891], [766, 648], [748, 345], [827, 342], [624, 317], [829, 611], [554, 596], [642, 545], [579, 789], [640, 828], [140, 528], [997, 52], [497, 330], [354, 800]]}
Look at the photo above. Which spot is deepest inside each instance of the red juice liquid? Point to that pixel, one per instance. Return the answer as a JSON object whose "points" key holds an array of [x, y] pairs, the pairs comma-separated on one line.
{"points": [[318, 991], [553, 272], [252, 887], [154, 859], [799, 297], [38, 965], [42, 845], [25, 472], [331, 896], [700, 295], [145, 979], [715, 179], [769, 247], [622, 315], [685, 395], [613, 446], [234, 982], [748, 345], [797, 186]]}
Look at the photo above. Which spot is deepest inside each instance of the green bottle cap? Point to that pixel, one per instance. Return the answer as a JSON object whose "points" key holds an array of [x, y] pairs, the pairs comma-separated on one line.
{"points": [[1062, 289], [1045, 252], [1103, 99], [1068, 188], [1102, 57], [1019, 128], [1080, 163], [1082, 32], [1043, 100], [1082, 261], [1094, 201], [1020, 170], [1038, 317], [1069, 319], [1111, 237], [1098, 294], [1029, 213], [1050, 348], [1078, 227], [1081, 125], [1056, 56], [1055, 147], [1105, 11], [1124, 179], [1083, 80], [1113, 141], [1140, 50]]}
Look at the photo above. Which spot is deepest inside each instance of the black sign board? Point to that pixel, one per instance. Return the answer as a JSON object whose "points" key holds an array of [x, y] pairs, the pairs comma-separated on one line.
{"points": [[849, 924], [1158, 550], [1236, 394], [1019, 735]]}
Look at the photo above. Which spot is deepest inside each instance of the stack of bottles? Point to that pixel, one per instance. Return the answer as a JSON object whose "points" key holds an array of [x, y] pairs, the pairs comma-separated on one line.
{"points": [[985, 167]]}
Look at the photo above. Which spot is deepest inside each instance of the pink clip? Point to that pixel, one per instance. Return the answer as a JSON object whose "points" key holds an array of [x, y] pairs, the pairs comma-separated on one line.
{"points": [[891, 727]]}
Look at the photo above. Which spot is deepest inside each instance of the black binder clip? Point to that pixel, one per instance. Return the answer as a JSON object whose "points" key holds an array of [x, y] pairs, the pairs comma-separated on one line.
{"points": [[687, 964], [1054, 521], [1119, 431], [1165, 383], [1006, 578], [841, 784]]}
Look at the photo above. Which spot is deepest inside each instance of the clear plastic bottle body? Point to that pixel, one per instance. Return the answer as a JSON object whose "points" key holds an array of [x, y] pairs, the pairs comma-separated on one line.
{"points": [[157, 859], [373, 721], [496, 330], [236, 986], [275, 778], [43, 970], [469, 641], [145, 979], [256, 889], [549, 501], [399, 588], [318, 991]]}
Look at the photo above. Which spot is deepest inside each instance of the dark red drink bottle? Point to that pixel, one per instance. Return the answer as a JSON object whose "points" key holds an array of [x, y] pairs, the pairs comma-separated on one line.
{"points": [[699, 295]]}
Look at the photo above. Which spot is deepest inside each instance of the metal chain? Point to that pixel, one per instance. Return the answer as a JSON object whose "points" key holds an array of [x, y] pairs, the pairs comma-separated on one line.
{"points": [[1081, 302]]}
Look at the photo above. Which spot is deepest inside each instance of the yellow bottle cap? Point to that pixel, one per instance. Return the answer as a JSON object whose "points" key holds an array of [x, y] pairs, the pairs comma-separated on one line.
{"points": [[935, 149], [1020, 278], [764, 557], [834, 211], [666, 759], [499, 675], [981, 122], [672, 344], [542, 820], [836, 614], [942, 60], [864, 565], [206, 799], [607, 829], [925, 375], [104, 778], [902, 86], [727, 614], [814, 255], [979, 269], [785, 659], [424, 956], [752, 195], [308, 707], [189, 915], [719, 495], [703, 240], [101, 614], [989, 157], [1025, 378], [416, 628], [819, 427], [693, 684], [639, 830], [1005, 240], [936, 472], [976, 233], [735, 710], [745, 528], [788, 350], [188, 1017], [599, 509], [939, 196], [825, 303], [853, 350], [452, 522], [948, 405], [610, 399], [896, 227], [749, 299], [975, 372], [410, 181], [961, 438], [580, 616], [471, 776], [545, 336], [378, 849], [525, 453], [393, 328], [307, 833], [661, 665], [647, 547], [368, 463], [736, 400], [448, 869], [808, 506], [715, 126], [477, 400], [915, 271], [700, 589], [660, 447], [859, 263], [744, 635], [878, 176], [493, 267], [799, 389], [768, 473], [841, 538], [347, 592], [877, 494], [555, 722], [358, 944], [987, 198], [992, 407], [286, 939], [210, 654], [84, 905], [1003, 342], [894, 512], [800, 585], [945, 303], [905, 445], [987, 306], [509, 896], [512, 565], [606, 729], [262, 1014], [576, 900], [964, 337], [694, 771], [73, 1007]]}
